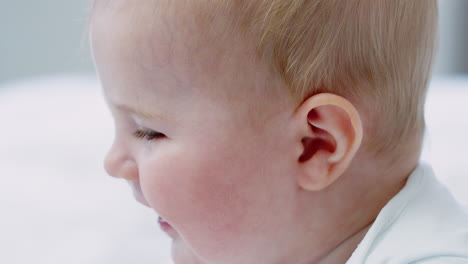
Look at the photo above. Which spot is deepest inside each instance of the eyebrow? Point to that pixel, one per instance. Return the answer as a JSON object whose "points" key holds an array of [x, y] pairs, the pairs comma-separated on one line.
{"points": [[141, 112]]}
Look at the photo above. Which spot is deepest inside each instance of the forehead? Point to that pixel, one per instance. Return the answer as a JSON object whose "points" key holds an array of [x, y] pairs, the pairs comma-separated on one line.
{"points": [[173, 24], [130, 28], [139, 43], [170, 43]]}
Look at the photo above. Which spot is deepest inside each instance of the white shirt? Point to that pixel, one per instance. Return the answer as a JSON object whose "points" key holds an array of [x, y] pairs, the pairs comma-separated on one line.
{"points": [[422, 224]]}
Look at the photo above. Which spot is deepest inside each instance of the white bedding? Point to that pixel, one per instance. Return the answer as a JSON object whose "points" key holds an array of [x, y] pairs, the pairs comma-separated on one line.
{"points": [[58, 206]]}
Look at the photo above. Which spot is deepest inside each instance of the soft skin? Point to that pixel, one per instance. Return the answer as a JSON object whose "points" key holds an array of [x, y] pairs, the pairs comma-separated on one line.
{"points": [[241, 172]]}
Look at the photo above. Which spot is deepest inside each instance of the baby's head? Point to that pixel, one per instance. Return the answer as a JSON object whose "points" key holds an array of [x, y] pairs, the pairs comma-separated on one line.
{"points": [[254, 127]]}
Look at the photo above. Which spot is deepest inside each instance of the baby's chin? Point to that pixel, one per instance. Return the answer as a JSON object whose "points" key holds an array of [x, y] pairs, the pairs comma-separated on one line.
{"points": [[182, 254]]}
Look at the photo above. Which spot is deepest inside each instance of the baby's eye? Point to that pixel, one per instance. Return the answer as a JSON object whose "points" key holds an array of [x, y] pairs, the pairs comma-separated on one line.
{"points": [[148, 134]]}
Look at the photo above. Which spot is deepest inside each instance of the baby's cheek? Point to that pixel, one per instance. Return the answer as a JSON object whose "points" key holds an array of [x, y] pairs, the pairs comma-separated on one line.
{"points": [[215, 197], [208, 200]]}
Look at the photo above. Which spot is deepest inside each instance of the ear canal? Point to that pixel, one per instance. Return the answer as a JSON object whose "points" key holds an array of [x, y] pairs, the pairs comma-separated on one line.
{"points": [[320, 139], [312, 145]]}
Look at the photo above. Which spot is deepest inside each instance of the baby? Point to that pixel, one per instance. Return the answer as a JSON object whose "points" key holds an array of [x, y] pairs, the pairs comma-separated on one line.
{"points": [[278, 131]]}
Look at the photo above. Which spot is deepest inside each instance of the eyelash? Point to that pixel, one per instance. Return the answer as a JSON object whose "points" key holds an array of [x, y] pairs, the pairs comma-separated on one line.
{"points": [[148, 135]]}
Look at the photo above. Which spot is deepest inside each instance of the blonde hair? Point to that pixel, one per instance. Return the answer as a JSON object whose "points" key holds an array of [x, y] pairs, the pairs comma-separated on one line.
{"points": [[376, 53]]}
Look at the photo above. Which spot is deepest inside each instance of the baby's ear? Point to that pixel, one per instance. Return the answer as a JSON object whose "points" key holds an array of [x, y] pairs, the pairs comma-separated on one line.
{"points": [[329, 133]]}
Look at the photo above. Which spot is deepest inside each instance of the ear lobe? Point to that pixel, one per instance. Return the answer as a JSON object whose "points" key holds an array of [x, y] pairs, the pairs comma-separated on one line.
{"points": [[330, 132]]}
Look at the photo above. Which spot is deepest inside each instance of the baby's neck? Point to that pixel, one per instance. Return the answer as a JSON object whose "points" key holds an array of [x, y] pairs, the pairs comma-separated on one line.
{"points": [[356, 200], [344, 251]]}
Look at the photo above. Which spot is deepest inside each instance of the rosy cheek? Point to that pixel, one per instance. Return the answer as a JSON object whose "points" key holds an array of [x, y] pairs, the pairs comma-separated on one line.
{"points": [[205, 198], [201, 190]]}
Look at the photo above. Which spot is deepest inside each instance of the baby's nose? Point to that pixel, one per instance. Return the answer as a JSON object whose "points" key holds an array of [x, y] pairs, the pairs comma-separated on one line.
{"points": [[118, 163]]}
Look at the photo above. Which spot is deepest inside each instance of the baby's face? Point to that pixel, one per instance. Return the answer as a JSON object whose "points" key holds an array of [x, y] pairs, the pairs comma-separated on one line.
{"points": [[193, 138]]}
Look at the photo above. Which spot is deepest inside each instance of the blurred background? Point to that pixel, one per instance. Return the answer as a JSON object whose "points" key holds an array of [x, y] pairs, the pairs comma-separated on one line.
{"points": [[57, 204], [42, 38]]}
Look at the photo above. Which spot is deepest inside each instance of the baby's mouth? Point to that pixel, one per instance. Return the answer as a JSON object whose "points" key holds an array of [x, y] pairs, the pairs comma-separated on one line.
{"points": [[162, 221], [166, 227]]}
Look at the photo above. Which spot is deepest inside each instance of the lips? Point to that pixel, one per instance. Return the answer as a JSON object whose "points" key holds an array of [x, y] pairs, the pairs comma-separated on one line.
{"points": [[166, 227], [162, 221]]}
